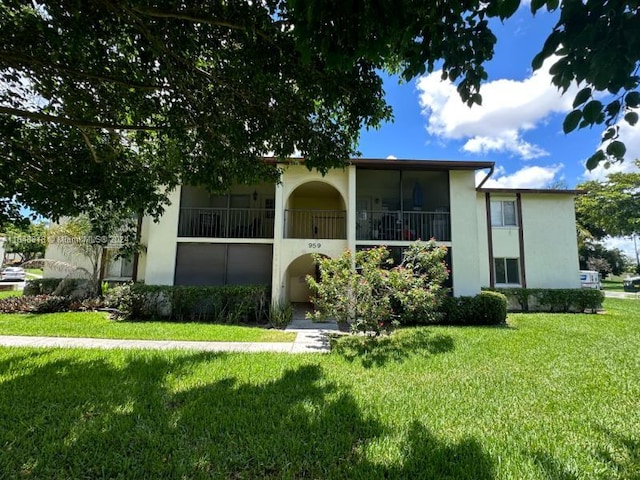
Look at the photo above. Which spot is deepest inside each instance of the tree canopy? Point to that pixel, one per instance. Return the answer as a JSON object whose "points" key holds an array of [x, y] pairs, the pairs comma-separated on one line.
{"points": [[106, 101], [611, 207]]}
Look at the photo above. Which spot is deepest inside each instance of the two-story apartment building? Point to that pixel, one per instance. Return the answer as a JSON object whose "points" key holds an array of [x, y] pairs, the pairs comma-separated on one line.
{"points": [[266, 234]]}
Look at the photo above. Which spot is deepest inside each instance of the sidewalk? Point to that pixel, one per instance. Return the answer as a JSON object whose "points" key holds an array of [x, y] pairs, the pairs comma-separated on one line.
{"points": [[311, 338]]}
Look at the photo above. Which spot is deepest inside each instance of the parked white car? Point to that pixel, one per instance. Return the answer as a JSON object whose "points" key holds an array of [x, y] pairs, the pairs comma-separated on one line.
{"points": [[590, 279], [12, 274]]}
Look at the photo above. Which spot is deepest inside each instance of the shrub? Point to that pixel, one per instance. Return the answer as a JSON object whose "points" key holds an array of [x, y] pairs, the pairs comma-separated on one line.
{"points": [[280, 314], [34, 304], [220, 304], [375, 299], [47, 286], [490, 308], [486, 308], [555, 299]]}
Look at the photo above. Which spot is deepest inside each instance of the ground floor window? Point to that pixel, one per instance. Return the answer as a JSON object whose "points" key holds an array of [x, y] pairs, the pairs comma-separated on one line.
{"points": [[223, 264], [507, 270]]}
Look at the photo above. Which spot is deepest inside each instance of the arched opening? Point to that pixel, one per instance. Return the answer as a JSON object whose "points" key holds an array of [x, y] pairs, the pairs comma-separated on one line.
{"points": [[315, 210], [298, 290]]}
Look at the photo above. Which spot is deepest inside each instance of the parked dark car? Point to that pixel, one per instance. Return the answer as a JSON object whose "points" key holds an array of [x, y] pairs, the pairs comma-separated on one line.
{"points": [[631, 284]]}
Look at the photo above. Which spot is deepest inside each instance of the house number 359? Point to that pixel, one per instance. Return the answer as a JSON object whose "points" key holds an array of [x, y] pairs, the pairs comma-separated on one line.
{"points": [[315, 245]]}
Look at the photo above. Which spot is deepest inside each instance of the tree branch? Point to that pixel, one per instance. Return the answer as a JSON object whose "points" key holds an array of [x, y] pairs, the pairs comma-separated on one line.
{"points": [[25, 60], [44, 118], [157, 13]]}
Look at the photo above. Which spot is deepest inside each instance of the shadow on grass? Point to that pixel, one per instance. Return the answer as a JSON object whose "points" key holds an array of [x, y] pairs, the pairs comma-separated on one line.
{"points": [[402, 344], [188, 416], [621, 454]]}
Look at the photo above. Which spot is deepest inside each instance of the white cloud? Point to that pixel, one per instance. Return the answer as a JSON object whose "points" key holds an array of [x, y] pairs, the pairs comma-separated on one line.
{"points": [[508, 142], [392, 157], [526, 177], [631, 137], [509, 108]]}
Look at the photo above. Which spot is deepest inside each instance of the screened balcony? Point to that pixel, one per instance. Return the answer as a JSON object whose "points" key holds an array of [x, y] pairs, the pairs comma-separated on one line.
{"points": [[403, 226], [402, 205], [246, 212], [226, 223]]}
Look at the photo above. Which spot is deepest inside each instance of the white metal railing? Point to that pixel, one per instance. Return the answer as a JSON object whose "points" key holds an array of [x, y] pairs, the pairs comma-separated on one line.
{"points": [[403, 225], [324, 224], [226, 222]]}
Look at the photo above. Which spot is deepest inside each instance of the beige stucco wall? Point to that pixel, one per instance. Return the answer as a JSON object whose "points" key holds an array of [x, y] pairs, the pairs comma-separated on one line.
{"points": [[483, 241], [464, 233], [289, 283], [160, 259], [506, 240], [550, 242]]}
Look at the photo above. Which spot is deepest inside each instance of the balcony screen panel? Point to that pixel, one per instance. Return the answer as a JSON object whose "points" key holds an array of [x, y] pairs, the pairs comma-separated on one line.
{"points": [[249, 264], [200, 264]]}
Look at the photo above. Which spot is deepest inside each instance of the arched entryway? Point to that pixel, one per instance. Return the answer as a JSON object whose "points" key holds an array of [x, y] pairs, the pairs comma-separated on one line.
{"points": [[298, 290], [315, 210]]}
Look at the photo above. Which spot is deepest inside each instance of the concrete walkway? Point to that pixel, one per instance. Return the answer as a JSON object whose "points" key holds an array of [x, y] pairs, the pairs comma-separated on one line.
{"points": [[311, 338]]}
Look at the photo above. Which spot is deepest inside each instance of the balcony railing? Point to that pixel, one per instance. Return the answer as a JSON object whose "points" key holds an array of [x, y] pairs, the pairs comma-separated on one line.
{"points": [[403, 226], [316, 224], [226, 222]]}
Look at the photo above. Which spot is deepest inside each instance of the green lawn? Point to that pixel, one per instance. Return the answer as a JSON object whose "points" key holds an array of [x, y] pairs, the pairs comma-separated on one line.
{"points": [[98, 325], [550, 397], [10, 293], [612, 285], [34, 271]]}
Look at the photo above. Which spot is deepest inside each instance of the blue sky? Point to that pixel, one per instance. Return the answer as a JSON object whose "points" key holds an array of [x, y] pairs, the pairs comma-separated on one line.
{"points": [[519, 125]]}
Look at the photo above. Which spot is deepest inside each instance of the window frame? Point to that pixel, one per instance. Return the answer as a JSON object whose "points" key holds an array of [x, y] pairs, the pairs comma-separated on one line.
{"points": [[504, 260], [503, 223]]}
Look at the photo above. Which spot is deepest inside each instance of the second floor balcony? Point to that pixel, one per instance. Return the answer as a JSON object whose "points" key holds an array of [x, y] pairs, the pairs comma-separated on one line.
{"points": [[315, 224], [226, 222], [403, 226]]}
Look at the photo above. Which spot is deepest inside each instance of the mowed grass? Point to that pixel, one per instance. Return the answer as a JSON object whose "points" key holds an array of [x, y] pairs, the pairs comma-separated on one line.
{"points": [[98, 325], [613, 285], [549, 397], [10, 293]]}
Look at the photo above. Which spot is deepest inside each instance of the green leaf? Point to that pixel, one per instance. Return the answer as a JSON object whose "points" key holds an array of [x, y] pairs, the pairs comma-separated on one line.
{"points": [[571, 121], [613, 108], [632, 99], [631, 118], [552, 5], [506, 8], [581, 97], [592, 110], [537, 61], [537, 5], [611, 132], [616, 149], [594, 160]]}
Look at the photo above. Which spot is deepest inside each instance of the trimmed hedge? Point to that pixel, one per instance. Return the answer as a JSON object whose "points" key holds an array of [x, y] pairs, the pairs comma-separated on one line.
{"points": [[46, 286], [486, 308], [219, 304], [555, 299]]}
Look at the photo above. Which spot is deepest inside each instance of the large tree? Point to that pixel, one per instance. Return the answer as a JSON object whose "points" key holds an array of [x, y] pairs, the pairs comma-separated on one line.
{"points": [[610, 208], [106, 100]]}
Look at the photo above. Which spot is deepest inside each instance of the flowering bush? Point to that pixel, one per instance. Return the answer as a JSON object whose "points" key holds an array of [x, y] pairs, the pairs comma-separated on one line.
{"points": [[367, 291]]}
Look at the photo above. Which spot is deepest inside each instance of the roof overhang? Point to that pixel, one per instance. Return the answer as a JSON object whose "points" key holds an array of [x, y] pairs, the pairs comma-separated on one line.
{"points": [[400, 164], [551, 191]]}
